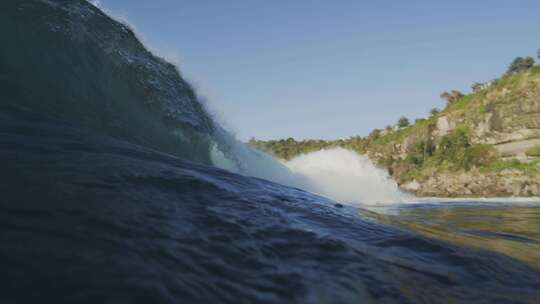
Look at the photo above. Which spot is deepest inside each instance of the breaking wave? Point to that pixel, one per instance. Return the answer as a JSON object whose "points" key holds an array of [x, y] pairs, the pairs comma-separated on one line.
{"points": [[347, 177]]}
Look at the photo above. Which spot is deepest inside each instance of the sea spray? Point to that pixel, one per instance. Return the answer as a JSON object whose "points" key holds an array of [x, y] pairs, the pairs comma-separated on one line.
{"points": [[231, 154], [346, 177], [340, 174]]}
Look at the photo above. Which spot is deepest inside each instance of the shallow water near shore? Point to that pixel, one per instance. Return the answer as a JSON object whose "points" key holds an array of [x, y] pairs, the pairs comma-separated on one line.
{"points": [[510, 226]]}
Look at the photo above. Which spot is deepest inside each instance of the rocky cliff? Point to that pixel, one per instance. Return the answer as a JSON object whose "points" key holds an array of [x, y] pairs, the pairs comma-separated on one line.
{"points": [[500, 128], [483, 144]]}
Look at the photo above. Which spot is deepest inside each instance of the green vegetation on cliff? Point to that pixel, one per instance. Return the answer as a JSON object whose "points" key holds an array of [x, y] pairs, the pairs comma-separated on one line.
{"points": [[534, 151], [289, 148], [479, 132]]}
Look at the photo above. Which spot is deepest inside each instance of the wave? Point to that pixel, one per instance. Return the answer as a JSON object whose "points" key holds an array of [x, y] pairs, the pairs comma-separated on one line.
{"points": [[69, 60], [347, 177], [97, 74]]}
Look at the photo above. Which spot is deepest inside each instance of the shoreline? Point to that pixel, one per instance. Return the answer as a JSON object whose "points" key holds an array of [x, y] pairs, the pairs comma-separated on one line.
{"points": [[500, 199]]}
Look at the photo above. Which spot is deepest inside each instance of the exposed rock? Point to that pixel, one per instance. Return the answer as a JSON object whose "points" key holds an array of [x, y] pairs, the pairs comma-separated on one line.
{"points": [[476, 184], [440, 155], [444, 126], [518, 148], [411, 186]]}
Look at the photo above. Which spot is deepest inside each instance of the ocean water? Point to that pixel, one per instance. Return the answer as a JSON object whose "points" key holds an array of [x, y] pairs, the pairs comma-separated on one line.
{"points": [[91, 219], [117, 186]]}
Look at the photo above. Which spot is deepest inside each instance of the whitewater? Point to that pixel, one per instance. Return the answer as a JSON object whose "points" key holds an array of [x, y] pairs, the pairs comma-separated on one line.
{"points": [[343, 175]]}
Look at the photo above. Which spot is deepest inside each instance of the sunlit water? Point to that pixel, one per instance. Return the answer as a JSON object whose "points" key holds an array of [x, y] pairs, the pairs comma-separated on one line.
{"points": [[508, 226]]}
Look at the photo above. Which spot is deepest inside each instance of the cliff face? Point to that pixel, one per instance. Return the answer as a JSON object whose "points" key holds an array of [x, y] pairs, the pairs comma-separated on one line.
{"points": [[508, 113], [501, 126], [483, 144], [476, 184]]}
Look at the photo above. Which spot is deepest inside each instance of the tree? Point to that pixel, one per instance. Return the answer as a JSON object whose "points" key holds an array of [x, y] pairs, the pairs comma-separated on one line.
{"points": [[456, 95], [520, 64], [403, 122], [446, 96], [515, 66], [376, 133], [434, 111], [476, 87], [528, 63], [538, 54], [451, 97]]}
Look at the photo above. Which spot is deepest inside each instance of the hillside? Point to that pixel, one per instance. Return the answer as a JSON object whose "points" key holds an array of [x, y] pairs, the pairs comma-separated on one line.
{"points": [[486, 143]]}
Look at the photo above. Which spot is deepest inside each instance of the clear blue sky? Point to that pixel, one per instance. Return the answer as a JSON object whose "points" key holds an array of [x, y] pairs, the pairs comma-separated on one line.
{"points": [[330, 69]]}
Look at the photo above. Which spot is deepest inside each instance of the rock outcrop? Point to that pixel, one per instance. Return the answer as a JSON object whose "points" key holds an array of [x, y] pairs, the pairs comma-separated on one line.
{"points": [[506, 183], [484, 144], [504, 116]]}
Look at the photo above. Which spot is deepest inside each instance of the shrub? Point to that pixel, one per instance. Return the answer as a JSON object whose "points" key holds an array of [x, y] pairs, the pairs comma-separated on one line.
{"points": [[456, 95], [415, 154], [403, 122], [520, 64], [414, 159], [456, 151], [457, 139], [434, 111], [376, 133], [515, 164], [446, 96], [385, 162], [534, 151], [476, 87], [452, 97], [479, 156], [528, 63], [451, 149]]}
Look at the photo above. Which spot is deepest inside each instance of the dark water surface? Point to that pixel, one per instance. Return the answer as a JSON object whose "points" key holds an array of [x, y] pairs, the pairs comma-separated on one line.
{"points": [[108, 195], [90, 219]]}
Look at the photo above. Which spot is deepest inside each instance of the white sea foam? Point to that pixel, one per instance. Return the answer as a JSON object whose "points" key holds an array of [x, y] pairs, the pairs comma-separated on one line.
{"points": [[346, 176], [339, 174]]}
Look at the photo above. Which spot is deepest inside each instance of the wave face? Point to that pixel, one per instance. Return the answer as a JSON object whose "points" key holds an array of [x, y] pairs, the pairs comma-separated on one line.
{"points": [[346, 176], [70, 61], [67, 59]]}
